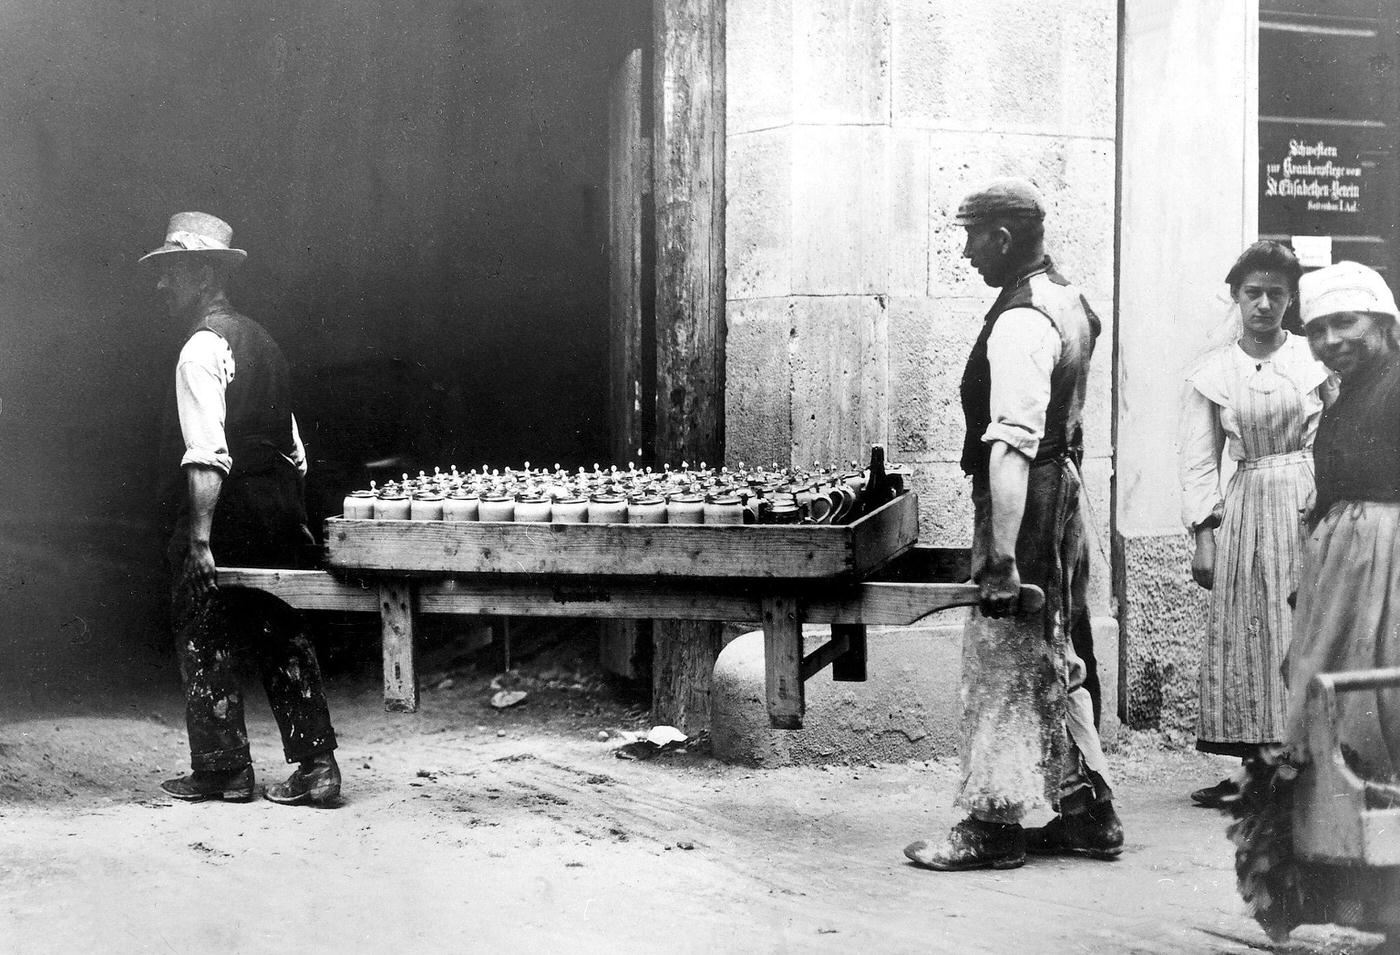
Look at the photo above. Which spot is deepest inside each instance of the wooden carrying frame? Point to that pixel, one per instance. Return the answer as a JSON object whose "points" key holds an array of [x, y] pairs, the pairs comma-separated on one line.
{"points": [[754, 551], [780, 576]]}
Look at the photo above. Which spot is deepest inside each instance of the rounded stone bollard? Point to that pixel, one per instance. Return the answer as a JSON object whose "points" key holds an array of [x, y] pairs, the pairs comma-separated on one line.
{"points": [[907, 709]]}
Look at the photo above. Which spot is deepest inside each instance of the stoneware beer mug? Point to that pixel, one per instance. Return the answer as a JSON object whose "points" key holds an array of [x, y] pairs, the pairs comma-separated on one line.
{"points": [[461, 505]]}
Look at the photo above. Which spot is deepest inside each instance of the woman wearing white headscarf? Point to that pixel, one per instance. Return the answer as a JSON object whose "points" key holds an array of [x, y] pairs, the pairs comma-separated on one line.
{"points": [[1348, 614], [1349, 598]]}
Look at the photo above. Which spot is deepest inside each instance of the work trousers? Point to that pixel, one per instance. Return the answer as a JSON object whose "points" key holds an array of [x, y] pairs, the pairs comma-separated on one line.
{"points": [[259, 523], [1028, 736]]}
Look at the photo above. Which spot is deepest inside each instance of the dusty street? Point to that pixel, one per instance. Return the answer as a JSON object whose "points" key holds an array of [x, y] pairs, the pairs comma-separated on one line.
{"points": [[470, 829]]}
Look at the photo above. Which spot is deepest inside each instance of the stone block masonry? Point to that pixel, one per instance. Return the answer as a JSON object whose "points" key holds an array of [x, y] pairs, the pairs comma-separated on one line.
{"points": [[854, 127]]}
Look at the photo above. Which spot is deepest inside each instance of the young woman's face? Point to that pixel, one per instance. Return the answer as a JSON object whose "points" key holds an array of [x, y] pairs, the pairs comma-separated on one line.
{"points": [[1348, 341], [1263, 297]]}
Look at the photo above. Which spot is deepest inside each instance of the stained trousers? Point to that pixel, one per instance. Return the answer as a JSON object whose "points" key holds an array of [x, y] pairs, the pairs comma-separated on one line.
{"points": [[258, 523]]}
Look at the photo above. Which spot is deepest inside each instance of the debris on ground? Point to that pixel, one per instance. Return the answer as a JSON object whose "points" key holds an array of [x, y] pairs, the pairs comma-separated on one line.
{"points": [[658, 740], [507, 698]]}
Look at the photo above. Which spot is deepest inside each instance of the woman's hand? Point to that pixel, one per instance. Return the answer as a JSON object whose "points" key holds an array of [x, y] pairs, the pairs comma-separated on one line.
{"points": [[1203, 562]]}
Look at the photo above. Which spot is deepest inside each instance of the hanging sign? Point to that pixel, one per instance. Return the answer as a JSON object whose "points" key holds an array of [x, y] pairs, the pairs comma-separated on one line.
{"points": [[1312, 182], [1313, 251]]}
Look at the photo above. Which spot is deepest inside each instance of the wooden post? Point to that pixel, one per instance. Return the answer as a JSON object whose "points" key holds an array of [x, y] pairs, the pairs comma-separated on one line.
{"points": [[629, 164], [689, 195], [849, 667], [688, 189], [688, 177], [396, 629], [632, 386], [782, 658]]}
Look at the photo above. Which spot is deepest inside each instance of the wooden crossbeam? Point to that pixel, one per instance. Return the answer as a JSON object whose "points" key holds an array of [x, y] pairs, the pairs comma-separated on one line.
{"points": [[875, 602], [782, 607]]}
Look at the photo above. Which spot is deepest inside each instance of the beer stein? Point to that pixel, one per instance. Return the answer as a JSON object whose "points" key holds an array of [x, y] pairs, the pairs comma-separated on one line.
{"points": [[724, 508], [686, 509], [496, 506], [572, 509], [607, 509], [358, 506], [782, 513], [461, 506], [425, 506], [392, 506], [843, 499], [646, 509], [532, 508]]}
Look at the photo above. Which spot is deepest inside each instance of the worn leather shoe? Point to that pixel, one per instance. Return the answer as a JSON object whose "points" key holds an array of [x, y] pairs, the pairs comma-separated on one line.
{"points": [[200, 785], [1097, 832], [316, 782], [972, 844], [1215, 797]]}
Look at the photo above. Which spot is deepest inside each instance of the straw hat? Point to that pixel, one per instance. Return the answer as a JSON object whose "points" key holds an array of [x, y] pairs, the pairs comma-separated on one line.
{"points": [[201, 234], [1344, 287]]}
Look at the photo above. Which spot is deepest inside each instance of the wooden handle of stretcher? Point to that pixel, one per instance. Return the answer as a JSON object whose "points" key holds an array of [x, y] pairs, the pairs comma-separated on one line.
{"points": [[1349, 681]]}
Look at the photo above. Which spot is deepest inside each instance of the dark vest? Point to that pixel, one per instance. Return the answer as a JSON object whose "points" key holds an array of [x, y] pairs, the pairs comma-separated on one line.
{"points": [[260, 517], [1357, 450], [1048, 292], [258, 407]]}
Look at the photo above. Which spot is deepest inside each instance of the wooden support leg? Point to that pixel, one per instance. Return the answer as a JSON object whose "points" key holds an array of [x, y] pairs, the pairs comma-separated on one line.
{"points": [[849, 667], [782, 653], [396, 629]]}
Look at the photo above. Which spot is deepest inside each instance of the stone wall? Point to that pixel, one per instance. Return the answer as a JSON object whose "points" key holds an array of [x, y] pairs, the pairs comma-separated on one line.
{"points": [[854, 128]]}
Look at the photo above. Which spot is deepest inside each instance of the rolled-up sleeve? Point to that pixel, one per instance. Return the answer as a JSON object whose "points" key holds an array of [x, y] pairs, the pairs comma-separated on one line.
{"points": [[1201, 441], [1022, 351], [202, 374], [298, 457]]}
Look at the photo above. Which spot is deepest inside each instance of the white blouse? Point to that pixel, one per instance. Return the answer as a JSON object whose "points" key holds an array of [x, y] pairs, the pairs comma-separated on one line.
{"points": [[1211, 422]]}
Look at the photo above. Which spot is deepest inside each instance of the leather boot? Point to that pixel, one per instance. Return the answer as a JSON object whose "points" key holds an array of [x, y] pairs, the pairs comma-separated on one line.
{"points": [[1217, 796], [200, 785], [1096, 832], [972, 844], [316, 782]]}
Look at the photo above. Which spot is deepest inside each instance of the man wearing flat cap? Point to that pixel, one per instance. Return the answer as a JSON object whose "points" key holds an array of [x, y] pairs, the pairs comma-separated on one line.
{"points": [[1028, 736], [243, 466]]}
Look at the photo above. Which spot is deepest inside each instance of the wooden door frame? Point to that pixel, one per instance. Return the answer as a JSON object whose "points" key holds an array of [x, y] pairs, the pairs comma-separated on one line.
{"points": [[688, 150], [688, 140]]}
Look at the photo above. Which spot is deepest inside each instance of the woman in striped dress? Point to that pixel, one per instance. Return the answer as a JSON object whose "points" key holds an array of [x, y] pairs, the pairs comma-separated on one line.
{"points": [[1259, 399]]}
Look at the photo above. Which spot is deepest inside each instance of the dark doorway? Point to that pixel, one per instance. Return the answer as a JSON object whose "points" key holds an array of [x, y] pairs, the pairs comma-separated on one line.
{"points": [[422, 192]]}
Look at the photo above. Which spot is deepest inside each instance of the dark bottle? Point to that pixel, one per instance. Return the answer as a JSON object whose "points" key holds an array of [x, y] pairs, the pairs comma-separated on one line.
{"points": [[879, 490]]}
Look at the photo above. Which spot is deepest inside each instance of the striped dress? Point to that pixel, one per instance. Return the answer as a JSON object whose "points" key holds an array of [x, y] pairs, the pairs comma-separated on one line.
{"points": [[1264, 414]]}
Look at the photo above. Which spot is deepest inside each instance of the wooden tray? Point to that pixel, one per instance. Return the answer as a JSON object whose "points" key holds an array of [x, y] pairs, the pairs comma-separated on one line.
{"points": [[666, 550]]}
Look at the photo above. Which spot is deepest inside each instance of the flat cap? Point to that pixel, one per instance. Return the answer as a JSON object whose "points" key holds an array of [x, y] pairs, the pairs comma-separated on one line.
{"points": [[1002, 199], [1344, 287]]}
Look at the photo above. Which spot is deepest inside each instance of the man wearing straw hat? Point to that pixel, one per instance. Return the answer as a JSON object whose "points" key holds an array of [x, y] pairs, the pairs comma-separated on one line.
{"points": [[243, 466]]}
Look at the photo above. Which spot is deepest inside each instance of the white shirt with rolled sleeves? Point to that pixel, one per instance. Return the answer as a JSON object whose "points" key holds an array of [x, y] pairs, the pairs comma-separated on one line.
{"points": [[202, 376], [1022, 351]]}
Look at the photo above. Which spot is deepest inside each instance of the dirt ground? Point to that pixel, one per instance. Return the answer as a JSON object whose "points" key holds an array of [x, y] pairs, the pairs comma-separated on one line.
{"points": [[466, 828]]}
